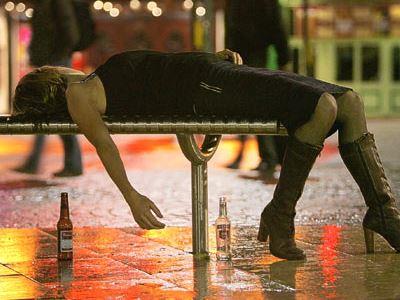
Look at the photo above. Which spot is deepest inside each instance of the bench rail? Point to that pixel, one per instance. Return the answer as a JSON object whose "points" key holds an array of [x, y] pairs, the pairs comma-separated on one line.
{"points": [[10, 125], [184, 129]]}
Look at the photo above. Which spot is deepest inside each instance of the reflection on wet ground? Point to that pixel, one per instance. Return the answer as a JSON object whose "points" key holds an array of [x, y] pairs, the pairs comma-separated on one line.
{"points": [[125, 262], [25, 184], [131, 263]]}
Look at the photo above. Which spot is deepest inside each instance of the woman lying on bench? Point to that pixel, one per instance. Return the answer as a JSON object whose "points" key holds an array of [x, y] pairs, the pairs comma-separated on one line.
{"points": [[148, 82]]}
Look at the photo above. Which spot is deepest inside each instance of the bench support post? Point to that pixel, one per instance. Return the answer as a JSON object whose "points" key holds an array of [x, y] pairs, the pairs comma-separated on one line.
{"points": [[199, 158], [199, 209]]}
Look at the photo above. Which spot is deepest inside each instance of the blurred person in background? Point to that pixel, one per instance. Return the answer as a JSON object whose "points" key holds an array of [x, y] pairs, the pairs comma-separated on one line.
{"points": [[55, 35], [253, 27]]}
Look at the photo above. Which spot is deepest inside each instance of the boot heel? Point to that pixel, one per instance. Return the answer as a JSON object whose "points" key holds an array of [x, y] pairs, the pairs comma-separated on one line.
{"points": [[369, 240], [263, 232]]}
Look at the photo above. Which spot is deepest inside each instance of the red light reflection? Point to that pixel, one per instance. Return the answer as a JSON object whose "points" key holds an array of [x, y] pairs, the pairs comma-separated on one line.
{"points": [[328, 254]]}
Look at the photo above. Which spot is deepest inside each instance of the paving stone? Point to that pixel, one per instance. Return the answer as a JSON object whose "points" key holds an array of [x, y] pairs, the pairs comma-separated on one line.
{"points": [[6, 271], [20, 287], [114, 259]]}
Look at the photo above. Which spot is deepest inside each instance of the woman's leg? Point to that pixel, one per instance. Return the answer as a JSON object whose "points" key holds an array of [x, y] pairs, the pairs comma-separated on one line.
{"points": [[277, 219], [351, 117], [359, 153], [315, 130]]}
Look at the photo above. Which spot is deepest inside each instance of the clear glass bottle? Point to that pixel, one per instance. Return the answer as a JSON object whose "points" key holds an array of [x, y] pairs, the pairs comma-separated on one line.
{"points": [[223, 232]]}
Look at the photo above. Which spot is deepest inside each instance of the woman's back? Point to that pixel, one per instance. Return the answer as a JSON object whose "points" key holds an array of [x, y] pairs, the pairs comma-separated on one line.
{"points": [[150, 82]]}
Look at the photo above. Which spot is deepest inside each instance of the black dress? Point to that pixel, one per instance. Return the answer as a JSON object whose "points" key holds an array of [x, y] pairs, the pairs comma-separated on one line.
{"points": [[197, 83]]}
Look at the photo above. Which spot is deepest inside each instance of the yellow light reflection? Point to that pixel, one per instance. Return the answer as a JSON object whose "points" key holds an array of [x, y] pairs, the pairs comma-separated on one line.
{"points": [[8, 146], [19, 246], [169, 236]]}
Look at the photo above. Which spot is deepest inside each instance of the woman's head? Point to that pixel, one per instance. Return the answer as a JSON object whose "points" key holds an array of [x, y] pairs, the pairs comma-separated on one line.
{"points": [[41, 93]]}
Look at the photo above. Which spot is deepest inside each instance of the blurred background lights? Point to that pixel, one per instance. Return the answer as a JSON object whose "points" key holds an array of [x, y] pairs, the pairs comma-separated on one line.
{"points": [[9, 6], [134, 4], [29, 13], [98, 5], [151, 5], [187, 4], [119, 7], [107, 6], [200, 11], [20, 7], [114, 12], [157, 12]]}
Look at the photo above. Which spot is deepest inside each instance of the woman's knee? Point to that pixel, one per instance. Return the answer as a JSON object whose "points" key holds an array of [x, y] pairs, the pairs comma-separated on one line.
{"points": [[350, 105], [327, 109]]}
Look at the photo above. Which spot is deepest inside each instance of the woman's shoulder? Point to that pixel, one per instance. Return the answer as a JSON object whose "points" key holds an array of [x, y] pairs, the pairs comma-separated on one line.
{"points": [[89, 92], [75, 91]]}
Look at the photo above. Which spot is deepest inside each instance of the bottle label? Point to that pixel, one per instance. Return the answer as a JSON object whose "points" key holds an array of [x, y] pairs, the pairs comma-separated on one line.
{"points": [[223, 231], [66, 241]]}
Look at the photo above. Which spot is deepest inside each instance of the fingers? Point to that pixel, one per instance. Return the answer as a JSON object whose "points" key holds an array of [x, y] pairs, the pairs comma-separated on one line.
{"points": [[156, 210], [147, 219], [237, 58], [149, 222], [233, 56], [152, 222], [142, 213], [142, 224], [240, 60]]}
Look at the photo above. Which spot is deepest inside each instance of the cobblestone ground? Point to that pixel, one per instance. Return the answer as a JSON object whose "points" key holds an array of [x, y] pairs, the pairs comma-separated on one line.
{"points": [[114, 259]]}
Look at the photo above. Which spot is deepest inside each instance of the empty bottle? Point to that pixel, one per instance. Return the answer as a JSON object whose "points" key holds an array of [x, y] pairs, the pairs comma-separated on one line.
{"points": [[64, 230], [223, 232]]}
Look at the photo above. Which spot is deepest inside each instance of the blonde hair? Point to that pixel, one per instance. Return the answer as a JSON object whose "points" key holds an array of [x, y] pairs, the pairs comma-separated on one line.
{"points": [[41, 94]]}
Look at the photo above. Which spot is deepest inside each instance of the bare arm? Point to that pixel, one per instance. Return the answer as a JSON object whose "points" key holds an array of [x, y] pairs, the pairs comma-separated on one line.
{"points": [[92, 126]]}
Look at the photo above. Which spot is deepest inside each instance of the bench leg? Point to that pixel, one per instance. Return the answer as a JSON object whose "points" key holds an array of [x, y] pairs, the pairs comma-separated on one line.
{"points": [[199, 156], [200, 210]]}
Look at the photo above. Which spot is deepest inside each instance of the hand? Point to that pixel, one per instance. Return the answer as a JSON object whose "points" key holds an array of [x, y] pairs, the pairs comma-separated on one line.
{"points": [[141, 208], [231, 56]]}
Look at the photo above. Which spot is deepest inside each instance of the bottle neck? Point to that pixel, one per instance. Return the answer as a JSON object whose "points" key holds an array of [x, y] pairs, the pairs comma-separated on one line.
{"points": [[64, 211], [222, 209]]}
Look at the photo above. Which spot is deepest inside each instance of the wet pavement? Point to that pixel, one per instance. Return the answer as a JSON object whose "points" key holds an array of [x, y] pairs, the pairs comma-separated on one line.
{"points": [[114, 259], [136, 264]]}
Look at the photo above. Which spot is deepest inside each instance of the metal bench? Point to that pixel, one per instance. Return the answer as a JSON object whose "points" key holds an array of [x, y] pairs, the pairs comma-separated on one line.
{"points": [[184, 128]]}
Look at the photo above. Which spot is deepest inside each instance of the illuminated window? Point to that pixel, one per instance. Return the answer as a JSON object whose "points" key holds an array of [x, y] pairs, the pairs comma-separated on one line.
{"points": [[396, 63], [370, 63], [344, 66], [295, 60]]}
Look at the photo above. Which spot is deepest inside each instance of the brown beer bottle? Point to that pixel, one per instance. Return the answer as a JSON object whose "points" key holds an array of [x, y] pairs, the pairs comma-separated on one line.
{"points": [[64, 230]]}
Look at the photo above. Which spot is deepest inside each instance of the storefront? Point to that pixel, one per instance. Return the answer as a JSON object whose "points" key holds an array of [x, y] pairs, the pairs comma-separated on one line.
{"points": [[357, 45]]}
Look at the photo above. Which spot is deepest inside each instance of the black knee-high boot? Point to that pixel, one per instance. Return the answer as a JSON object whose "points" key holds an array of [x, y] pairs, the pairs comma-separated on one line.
{"points": [[362, 160], [277, 219]]}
